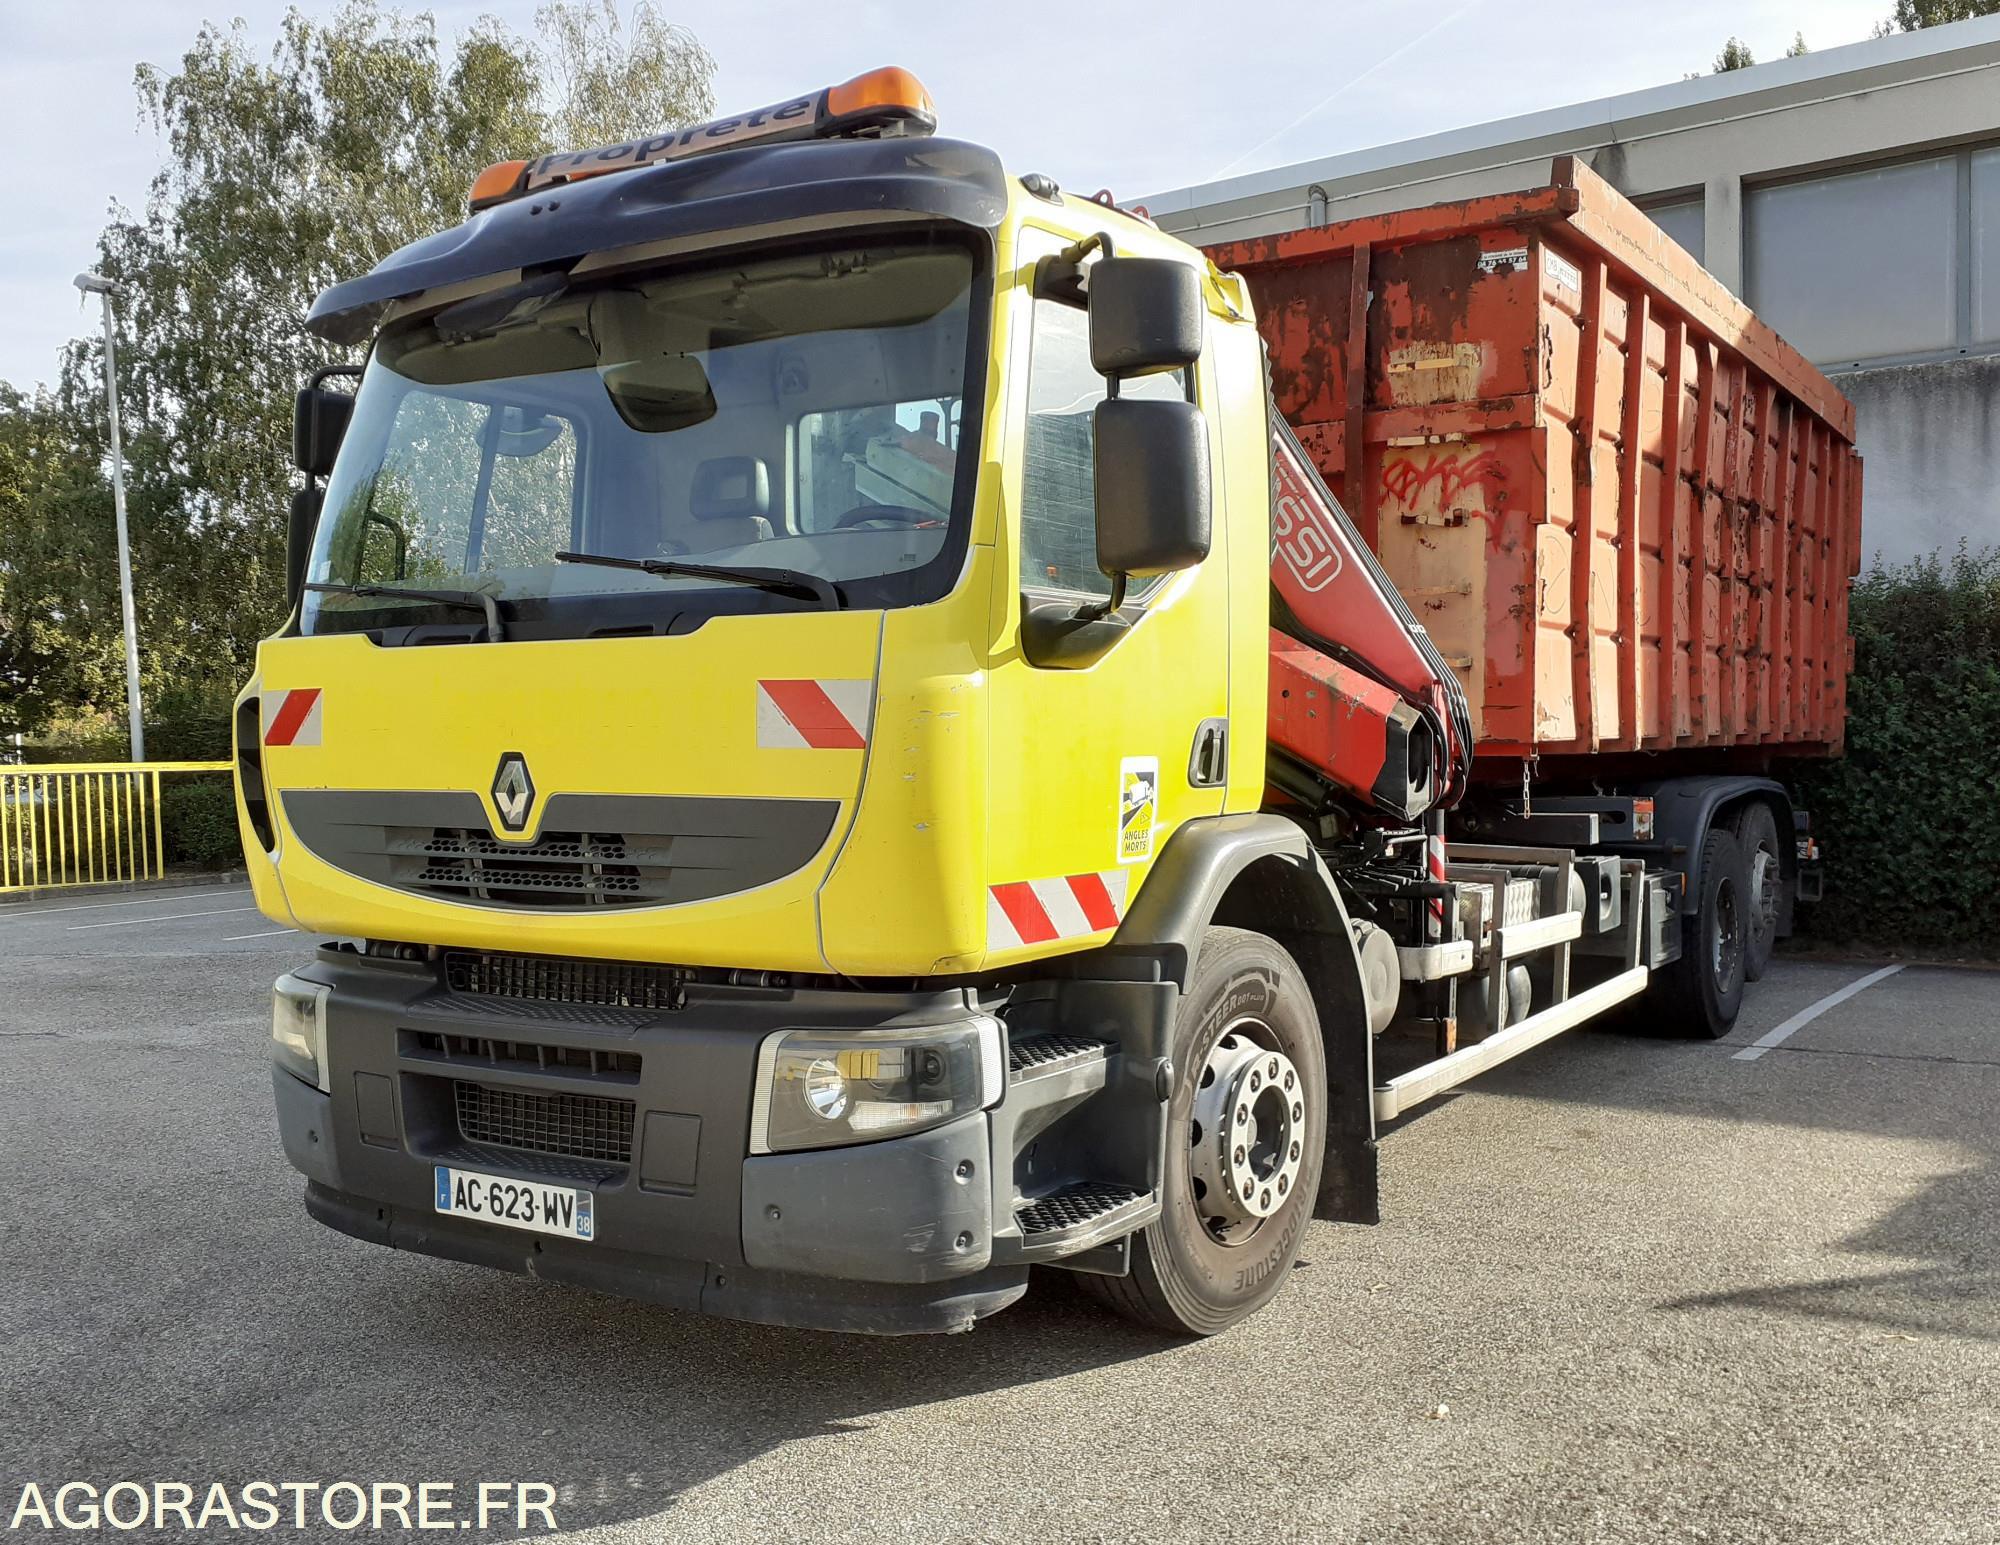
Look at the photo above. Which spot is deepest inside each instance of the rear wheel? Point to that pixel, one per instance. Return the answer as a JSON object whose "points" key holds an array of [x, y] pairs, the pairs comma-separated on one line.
{"points": [[1700, 993], [1246, 1133], [1756, 831]]}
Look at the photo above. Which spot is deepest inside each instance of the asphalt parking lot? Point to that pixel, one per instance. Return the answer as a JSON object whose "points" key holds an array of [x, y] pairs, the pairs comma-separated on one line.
{"points": [[1624, 1289]]}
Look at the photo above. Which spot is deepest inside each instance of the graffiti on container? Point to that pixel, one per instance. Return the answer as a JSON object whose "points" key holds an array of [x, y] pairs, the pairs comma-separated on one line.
{"points": [[1440, 485]]}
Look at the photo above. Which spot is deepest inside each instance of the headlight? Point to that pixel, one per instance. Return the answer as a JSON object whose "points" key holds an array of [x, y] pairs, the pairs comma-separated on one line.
{"points": [[823, 1088], [298, 1028]]}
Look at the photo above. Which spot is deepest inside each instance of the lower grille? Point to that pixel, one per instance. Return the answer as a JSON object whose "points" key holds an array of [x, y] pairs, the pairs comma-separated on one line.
{"points": [[581, 1126], [546, 979]]}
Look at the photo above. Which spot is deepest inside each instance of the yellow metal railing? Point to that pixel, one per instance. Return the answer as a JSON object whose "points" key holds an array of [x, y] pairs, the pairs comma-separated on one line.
{"points": [[85, 823]]}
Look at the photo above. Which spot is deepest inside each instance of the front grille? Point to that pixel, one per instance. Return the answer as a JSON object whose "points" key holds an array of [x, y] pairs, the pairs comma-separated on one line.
{"points": [[575, 869], [526, 1056], [594, 850], [582, 1126], [540, 978]]}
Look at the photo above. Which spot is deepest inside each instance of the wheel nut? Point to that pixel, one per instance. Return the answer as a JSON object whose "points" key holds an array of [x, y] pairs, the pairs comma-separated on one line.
{"points": [[1273, 1068], [1264, 1201], [1295, 1150], [964, 1241], [1288, 1078], [1254, 1081], [1298, 1110], [1242, 1114]]}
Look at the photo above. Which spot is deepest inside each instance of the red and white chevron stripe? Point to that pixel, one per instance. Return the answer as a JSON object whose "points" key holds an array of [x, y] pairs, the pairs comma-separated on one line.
{"points": [[822, 715], [292, 718], [1037, 911]]}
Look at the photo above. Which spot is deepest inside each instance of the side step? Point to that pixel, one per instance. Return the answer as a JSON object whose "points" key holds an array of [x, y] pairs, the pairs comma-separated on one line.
{"points": [[1433, 1078], [1054, 1052], [1080, 1216], [1050, 1075]]}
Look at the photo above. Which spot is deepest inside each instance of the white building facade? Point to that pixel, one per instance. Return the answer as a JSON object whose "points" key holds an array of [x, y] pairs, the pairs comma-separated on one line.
{"points": [[1852, 197]]}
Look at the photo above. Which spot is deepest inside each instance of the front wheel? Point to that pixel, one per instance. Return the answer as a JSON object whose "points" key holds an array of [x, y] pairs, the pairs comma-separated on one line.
{"points": [[1246, 1134]]}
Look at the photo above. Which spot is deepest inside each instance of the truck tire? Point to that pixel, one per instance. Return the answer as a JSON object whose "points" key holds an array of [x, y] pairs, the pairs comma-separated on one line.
{"points": [[1756, 830], [1699, 994], [1251, 1068]]}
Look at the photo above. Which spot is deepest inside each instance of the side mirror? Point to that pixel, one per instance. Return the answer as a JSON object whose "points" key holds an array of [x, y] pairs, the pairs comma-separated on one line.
{"points": [[1145, 316], [319, 420], [1152, 486], [299, 524]]}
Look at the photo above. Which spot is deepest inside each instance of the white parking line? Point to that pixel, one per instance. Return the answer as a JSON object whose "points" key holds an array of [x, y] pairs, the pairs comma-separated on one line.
{"points": [[237, 938], [1807, 1015], [140, 922], [98, 906]]}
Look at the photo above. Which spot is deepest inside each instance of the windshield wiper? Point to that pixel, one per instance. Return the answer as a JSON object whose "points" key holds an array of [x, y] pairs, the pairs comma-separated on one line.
{"points": [[778, 581], [472, 600]]}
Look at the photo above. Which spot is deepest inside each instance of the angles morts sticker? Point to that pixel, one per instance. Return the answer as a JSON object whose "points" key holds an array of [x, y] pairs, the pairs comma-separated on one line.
{"points": [[1138, 807]]}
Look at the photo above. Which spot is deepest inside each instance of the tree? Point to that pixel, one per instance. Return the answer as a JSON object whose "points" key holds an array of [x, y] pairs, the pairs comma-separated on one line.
{"points": [[1735, 55], [59, 615], [284, 172], [1914, 15], [1798, 49]]}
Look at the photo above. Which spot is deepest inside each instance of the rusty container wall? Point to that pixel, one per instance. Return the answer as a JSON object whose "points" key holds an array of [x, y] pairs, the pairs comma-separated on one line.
{"points": [[1625, 509]]}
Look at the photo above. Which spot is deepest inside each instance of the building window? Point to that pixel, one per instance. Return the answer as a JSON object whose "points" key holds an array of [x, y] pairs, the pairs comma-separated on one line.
{"points": [[1863, 265], [1682, 220], [1983, 213]]}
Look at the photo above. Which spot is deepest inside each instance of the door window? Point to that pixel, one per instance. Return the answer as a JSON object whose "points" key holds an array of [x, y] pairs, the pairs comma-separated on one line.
{"points": [[1058, 484]]}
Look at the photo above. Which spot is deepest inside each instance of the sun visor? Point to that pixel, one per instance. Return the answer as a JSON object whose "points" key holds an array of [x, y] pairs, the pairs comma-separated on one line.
{"points": [[729, 190]]}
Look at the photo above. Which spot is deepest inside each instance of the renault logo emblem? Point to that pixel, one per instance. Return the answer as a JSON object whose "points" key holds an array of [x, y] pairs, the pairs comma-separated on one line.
{"points": [[513, 792]]}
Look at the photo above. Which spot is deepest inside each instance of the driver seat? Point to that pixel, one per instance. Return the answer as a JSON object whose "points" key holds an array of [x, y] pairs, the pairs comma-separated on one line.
{"points": [[731, 499]]}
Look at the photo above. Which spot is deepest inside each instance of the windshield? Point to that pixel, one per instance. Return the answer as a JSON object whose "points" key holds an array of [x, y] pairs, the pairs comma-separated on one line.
{"points": [[800, 412]]}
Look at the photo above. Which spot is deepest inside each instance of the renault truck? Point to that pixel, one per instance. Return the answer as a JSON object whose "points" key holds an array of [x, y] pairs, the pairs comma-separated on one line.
{"points": [[855, 723]]}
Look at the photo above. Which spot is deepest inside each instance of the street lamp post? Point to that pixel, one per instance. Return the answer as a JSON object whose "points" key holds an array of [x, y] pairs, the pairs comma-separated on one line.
{"points": [[97, 284]]}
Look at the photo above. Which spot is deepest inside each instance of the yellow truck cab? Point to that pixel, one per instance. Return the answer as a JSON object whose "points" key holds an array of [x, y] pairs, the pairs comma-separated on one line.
{"points": [[706, 730]]}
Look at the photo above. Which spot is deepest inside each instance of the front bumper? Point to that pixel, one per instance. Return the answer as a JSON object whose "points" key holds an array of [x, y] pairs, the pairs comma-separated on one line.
{"points": [[890, 1237]]}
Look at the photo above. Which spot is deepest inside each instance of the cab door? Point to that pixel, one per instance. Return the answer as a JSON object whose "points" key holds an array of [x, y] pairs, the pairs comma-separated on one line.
{"points": [[1094, 767]]}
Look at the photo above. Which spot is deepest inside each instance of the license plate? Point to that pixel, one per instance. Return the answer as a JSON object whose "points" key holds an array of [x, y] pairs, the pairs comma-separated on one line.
{"points": [[525, 1204]]}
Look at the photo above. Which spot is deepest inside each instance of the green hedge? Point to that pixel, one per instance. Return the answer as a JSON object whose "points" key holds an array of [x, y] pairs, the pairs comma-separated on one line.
{"points": [[198, 821], [1907, 819]]}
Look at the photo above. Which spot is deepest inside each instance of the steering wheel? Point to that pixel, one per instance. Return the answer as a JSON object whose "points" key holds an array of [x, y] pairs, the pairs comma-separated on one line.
{"points": [[898, 514]]}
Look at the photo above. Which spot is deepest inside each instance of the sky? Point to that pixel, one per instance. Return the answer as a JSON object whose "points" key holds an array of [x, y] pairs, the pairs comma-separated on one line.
{"points": [[1135, 95]]}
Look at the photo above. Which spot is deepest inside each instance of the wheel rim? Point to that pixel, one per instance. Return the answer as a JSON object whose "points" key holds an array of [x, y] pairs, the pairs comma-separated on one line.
{"points": [[1246, 1132], [1764, 875], [1726, 940]]}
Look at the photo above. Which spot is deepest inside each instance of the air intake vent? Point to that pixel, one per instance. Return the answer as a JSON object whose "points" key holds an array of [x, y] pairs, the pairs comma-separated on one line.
{"points": [[543, 979], [482, 1051]]}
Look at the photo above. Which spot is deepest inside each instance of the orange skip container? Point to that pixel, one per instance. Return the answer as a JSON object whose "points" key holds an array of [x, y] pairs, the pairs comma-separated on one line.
{"points": [[1626, 510]]}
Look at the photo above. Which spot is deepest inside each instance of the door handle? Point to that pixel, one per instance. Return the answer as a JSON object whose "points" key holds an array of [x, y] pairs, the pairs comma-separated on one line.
{"points": [[1208, 763]]}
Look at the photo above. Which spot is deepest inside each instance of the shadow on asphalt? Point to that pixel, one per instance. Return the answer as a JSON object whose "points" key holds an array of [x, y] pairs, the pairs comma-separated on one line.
{"points": [[1942, 1239], [625, 1406]]}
